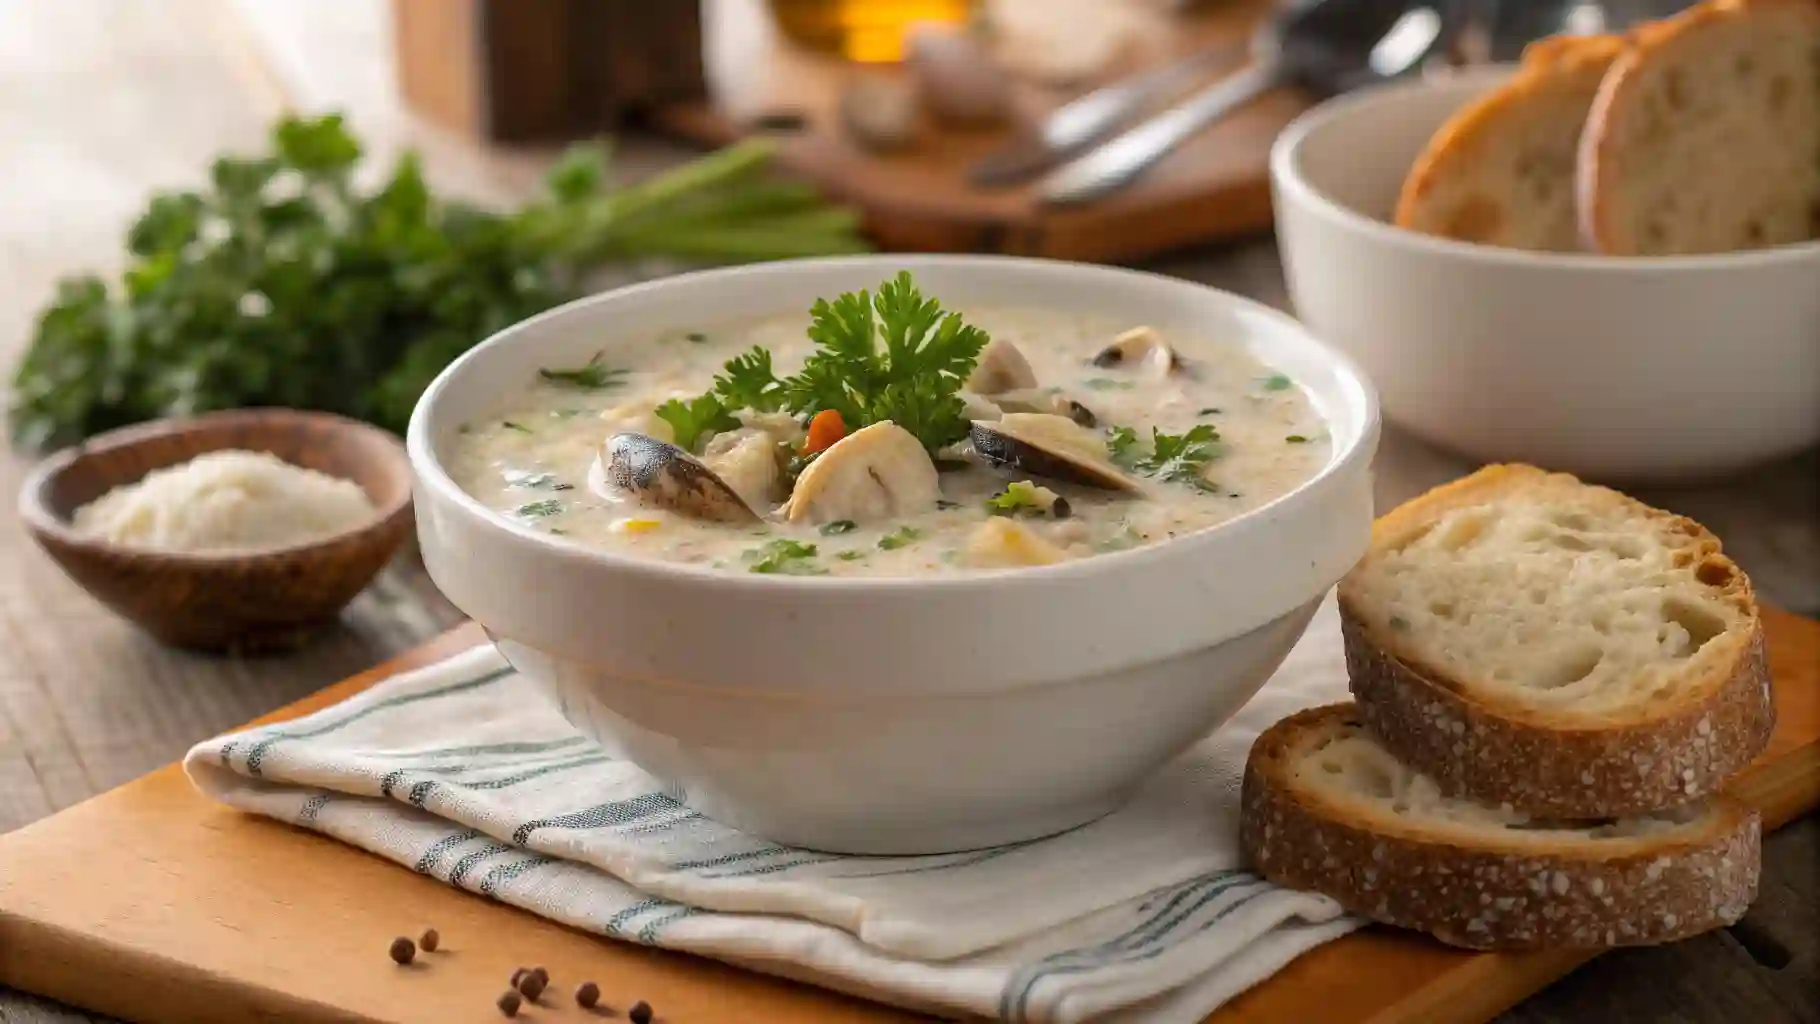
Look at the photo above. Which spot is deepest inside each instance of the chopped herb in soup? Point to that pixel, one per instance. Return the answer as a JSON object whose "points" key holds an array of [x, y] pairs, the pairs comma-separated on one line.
{"points": [[885, 435]]}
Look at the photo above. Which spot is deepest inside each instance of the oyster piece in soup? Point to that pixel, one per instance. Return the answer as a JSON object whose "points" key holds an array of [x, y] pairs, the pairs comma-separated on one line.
{"points": [[875, 473]]}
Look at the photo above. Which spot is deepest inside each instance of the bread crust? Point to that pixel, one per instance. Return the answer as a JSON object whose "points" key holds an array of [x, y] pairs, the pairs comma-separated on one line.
{"points": [[1554, 762], [1620, 95], [1455, 151], [1617, 770], [1504, 890]]}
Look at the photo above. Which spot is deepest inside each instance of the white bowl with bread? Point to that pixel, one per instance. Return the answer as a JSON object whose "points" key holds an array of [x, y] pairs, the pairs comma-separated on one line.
{"points": [[1552, 682], [1605, 261]]}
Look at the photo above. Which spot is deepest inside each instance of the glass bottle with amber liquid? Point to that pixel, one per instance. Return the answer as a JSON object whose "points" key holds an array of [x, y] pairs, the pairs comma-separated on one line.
{"points": [[871, 31]]}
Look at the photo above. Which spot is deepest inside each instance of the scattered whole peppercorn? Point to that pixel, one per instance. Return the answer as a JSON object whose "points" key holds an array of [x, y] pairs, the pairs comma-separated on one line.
{"points": [[532, 986], [508, 1003], [518, 976], [430, 940], [587, 996], [640, 1013], [543, 974], [403, 951]]}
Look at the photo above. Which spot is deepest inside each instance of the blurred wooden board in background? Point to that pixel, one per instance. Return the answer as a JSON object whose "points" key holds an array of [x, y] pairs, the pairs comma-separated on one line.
{"points": [[1215, 187]]}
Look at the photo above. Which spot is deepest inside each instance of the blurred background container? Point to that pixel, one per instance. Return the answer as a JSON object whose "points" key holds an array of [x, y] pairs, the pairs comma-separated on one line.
{"points": [[869, 31]]}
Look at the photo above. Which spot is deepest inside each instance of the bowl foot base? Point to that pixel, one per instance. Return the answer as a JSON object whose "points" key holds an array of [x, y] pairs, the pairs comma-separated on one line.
{"points": [[909, 837]]}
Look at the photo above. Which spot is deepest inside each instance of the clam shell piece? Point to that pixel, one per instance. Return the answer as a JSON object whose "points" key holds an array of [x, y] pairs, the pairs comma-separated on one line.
{"points": [[877, 472], [1035, 400], [979, 407], [745, 460], [1140, 347], [1048, 445], [656, 474], [1001, 368]]}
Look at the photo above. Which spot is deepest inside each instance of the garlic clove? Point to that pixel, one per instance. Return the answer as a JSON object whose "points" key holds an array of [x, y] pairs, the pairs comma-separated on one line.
{"points": [[960, 81], [880, 113]]}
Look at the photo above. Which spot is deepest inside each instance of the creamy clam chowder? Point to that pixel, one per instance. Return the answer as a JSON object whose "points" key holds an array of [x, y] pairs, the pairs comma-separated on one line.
{"points": [[1076, 435]]}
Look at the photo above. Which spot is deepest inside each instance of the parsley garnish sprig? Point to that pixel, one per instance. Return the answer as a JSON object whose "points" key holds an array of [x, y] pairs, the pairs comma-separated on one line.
{"points": [[1178, 458], [895, 356]]}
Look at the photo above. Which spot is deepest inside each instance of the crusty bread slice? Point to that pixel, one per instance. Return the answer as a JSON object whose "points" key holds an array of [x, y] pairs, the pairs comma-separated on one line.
{"points": [[1326, 808], [1525, 638], [1705, 136], [1501, 171]]}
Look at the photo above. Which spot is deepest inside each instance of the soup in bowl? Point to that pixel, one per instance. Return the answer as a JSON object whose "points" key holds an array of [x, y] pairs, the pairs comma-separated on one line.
{"points": [[902, 554]]}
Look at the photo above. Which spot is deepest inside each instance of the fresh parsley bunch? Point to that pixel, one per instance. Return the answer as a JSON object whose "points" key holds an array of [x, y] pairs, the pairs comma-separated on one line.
{"points": [[284, 283], [895, 356]]}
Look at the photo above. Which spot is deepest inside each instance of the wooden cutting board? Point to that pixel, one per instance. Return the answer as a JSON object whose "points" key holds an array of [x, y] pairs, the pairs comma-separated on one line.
{"points": [[153, 904], [1215, 187]]}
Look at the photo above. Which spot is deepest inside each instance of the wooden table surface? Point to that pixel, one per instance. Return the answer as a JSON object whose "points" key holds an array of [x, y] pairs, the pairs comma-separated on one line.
{"points": [[102, 100]]}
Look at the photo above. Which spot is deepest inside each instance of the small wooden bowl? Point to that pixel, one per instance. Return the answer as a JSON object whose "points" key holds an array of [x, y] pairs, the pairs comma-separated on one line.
{"points": [[249, 601]]}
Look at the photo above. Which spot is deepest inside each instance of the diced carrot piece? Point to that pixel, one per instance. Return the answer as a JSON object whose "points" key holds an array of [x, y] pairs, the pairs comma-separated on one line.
{"points": [[826, 428]]}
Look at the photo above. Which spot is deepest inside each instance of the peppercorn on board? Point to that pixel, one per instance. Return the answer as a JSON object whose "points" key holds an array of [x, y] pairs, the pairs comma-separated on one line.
{"points": [[209, 915]]}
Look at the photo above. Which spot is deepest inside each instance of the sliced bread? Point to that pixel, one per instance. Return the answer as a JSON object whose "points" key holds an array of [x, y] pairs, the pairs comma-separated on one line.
{"points": [[1501, 171], [1531, 640], [1705, 136], [1326, 808]]}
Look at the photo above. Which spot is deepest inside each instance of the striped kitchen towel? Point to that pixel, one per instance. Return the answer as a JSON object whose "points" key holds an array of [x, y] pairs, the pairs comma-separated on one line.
{"points": [[463, 772]]}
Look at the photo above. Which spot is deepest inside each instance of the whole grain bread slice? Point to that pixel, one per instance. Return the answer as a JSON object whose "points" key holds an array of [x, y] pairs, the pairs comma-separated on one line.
{"points": [[1705, 135], [1325, 807], [1501, 171], [1527, 639]]}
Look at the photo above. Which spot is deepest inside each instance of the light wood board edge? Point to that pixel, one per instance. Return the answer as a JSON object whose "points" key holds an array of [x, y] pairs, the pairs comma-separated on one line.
{"points": [[1404, 979]]}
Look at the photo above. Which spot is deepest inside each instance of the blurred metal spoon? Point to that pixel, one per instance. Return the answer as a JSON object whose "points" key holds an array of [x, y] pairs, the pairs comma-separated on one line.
{"points": [[1326, 46], [1074, 125]]}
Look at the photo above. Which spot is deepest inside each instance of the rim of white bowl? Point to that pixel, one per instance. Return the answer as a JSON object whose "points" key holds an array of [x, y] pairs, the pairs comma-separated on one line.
{"points": [[1286, 172], [430, 472]]}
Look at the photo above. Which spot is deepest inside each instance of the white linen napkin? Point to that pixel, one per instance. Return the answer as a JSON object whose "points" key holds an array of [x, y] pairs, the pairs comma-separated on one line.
{"points": [[462, 771]]}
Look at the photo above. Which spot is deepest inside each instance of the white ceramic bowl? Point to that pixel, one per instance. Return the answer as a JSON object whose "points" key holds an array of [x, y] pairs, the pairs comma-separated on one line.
{"points": [[900, 715], [1616, 368]]}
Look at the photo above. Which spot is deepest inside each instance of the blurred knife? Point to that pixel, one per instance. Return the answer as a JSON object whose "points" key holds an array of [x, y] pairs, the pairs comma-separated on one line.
{"points": [[1081, 122], [1325, 46]]}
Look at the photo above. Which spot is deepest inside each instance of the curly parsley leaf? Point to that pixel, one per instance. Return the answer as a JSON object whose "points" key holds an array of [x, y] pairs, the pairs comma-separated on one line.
{"points": [[1122, 446], [1025, 498], [928, 357], [1178, 458], [694, 421], [748, 382], [784, 557], [899, 537]]}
